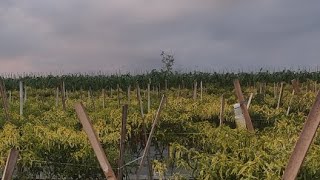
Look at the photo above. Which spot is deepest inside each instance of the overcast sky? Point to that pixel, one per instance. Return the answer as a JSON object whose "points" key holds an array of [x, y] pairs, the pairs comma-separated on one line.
{"points": [[129, 35]]}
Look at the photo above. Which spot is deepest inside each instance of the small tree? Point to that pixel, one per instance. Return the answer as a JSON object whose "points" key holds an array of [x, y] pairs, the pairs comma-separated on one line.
{"points": [[168, 61]]}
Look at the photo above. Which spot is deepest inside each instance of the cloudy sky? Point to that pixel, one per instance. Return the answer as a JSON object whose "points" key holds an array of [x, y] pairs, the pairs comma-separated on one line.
{"points": [[129, 35]]}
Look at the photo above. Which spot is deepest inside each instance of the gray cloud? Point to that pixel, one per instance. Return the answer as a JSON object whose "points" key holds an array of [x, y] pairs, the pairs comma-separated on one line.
{"points": [[81, 35]]}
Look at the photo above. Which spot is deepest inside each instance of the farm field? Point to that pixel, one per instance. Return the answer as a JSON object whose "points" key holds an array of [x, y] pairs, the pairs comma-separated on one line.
{"points": [[192, 139]]}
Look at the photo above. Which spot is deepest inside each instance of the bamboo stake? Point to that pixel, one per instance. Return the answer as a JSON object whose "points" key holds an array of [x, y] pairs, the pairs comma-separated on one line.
{"points": [[300, 150], [94, 141], [249, 101], [25, 94], [21, 98], [201, 90], [222, 105], [243, 106], [144, 131], [166, 85], [290, 101], [195, 90], [10, 97], [274, 90], [10, 164], [146, 149], [122, 140], [57, 97], [260, 88], [295, 85], [128, 93], [63, 98], [118, 94], [280, 95], [4, 99], [149, 100], [103, 98]]}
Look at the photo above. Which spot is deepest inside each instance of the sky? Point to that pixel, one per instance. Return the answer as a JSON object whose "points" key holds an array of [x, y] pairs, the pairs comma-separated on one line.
{"points": [[128, 35]]}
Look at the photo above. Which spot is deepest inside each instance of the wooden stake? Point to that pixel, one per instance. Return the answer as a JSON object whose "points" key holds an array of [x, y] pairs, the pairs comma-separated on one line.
{"points": [[10, 164], [249, 101], [63, 98], [274, 90], [295, 85], [144, 131], [290, 101], [166, 85], [280, 95], [4, 99], [122, 140], [243, 105], [21, 98], [300, 150], [260, 88], [94, 141], [25, 94], [10, 98], [195, 90], [57, 97], [118, 94], [103, 98], [146, 149], [128, 93], [200, 90], [222, 110], [149, 101]]}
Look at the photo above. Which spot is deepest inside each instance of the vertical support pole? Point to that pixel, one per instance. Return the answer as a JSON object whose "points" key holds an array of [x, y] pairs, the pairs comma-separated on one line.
{"points": [[57, 97], [280, 95], [25, 93], [122, 140], [118, 94], [201, 90], [4, 99], [21, 98], [149, 100], [249, 101], [94, 141], [195, 90], [128, 93], [146, 149], [290, 101], [166, 85], [300, 150], [10, 97], [260, 88], [295, 85], [63, 98], [144, 131], [10, 164], [222, 105], [243, 105], [275, 90], [67, 95], [103, 98]]}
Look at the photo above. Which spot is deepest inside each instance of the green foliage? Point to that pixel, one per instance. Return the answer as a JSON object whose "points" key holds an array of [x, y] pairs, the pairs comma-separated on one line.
{"points": [[188, 142]]}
